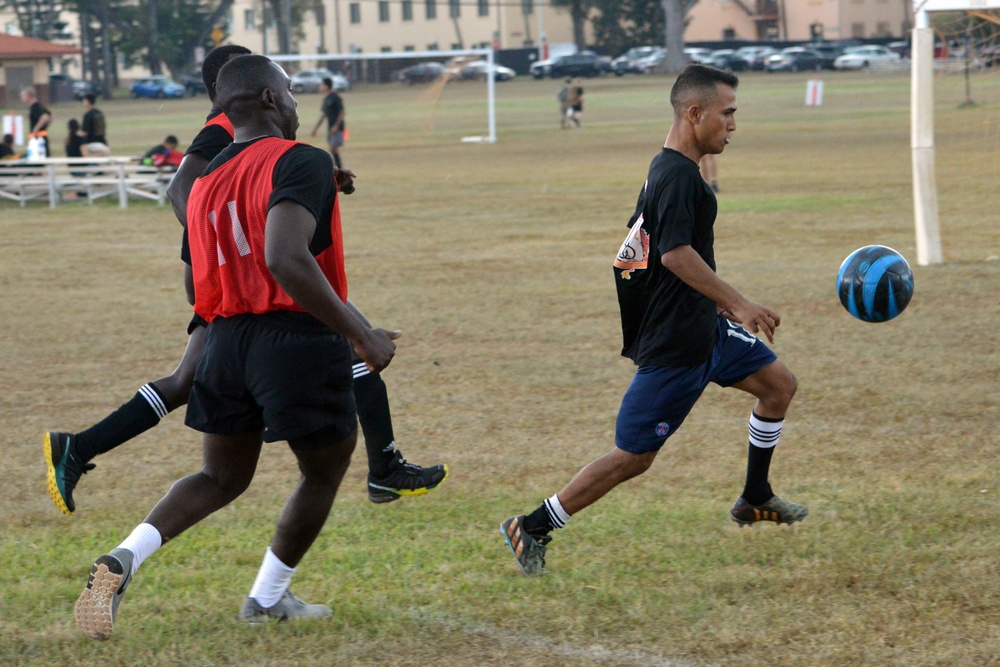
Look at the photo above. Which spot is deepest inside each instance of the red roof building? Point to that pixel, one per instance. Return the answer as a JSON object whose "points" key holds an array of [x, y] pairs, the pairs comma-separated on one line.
{"points": [[25, 61]]}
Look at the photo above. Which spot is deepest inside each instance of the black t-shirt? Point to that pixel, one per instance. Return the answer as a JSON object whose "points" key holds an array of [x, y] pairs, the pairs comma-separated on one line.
{"points": [[665, 322], [73, 146], [304, 175], [36, 111], [332, 106], [94, 127], [211, 140]]}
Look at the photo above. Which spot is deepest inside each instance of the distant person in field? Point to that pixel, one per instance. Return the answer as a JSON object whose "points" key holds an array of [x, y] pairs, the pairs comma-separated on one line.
{"points": [[574, 99], [710, 171], [268, 265], [682, 325], [94, 126], [333, 114], [68, 456], [562, 96]]}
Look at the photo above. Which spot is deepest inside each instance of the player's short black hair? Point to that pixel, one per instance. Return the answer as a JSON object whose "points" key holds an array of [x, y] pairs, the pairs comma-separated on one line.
{"points": [[328, 82], [241, 82], [90, 97], [214, 61], [699, 81], [8, 139], [171, 139]]}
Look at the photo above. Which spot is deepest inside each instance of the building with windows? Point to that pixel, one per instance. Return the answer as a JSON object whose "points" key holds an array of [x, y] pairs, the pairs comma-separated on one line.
{"points": [[381, 26], [798, 20]]}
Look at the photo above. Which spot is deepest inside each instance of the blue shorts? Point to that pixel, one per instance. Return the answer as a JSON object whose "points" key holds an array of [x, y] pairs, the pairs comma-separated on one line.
{"points": [[660, 397]]}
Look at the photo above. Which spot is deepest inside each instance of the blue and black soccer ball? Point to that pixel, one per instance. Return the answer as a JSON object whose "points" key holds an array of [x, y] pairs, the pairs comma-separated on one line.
{"points": [[875, 283]]}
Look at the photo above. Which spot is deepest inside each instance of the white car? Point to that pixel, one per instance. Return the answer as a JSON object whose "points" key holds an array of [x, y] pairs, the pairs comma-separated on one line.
{"points": [[477, 70], [862, 57], [307, 81]]}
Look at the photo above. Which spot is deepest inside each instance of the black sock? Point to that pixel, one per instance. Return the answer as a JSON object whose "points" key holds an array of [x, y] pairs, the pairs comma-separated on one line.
{"points": [[376, 422], [757, 491], [337, 161], [539, 522], [764, 435], [140, 414]]}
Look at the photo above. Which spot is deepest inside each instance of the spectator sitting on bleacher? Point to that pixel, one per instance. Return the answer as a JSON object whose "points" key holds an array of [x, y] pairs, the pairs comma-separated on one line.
{"points": [[164, 155], [77, 146], [7, 151]]}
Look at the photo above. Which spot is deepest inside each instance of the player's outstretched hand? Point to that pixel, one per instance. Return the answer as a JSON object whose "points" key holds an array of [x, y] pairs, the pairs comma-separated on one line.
{"points": [[755, 318], [344, 179], [377, 348]]}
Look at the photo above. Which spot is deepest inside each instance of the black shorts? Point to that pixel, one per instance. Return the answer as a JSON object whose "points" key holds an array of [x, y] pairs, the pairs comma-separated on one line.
{"points": [[196, 321], [283, 372]]}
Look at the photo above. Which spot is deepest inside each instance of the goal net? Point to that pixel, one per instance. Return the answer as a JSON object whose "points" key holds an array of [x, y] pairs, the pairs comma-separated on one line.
{"points": [[432, 92], [955, 130]]}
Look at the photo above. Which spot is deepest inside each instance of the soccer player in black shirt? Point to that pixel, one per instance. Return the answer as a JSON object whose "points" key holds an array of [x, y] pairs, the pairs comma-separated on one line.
{"points": [[68, 455], [683, 326]]}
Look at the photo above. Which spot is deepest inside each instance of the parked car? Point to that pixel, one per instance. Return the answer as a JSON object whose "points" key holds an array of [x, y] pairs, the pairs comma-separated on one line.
{"points": [[309, 80], [757, 56], [158, 87], [194, 84], [828, 50], [79, 88], [794, 59], [651, 63], [579, 64], [421, 73], [696, 53], [628, 62], [478, 70], [862, 57], [726, 59]]}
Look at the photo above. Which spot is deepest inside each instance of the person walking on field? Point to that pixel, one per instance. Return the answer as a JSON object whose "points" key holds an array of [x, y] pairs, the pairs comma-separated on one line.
{"points": [[333, 114], [574, 100], [268, 266], [564, 109], [682, 325]]}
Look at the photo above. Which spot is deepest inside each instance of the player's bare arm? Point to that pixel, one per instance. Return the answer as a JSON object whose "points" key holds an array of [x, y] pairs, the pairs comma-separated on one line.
{"points": [[290, 226], [191, 168], [344, 178], [688, 265]]}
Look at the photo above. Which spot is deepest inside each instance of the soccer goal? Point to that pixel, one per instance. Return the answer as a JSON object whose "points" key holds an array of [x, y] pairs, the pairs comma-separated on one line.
{"points": [[437, 69], [955, 115]]}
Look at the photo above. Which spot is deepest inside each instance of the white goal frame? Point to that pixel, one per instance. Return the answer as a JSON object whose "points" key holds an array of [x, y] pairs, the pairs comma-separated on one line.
{"points": [[491, 114], [925, 203]]}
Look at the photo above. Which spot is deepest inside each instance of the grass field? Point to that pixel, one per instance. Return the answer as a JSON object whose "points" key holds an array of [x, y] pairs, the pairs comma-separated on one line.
{"points": [[495, 261]]}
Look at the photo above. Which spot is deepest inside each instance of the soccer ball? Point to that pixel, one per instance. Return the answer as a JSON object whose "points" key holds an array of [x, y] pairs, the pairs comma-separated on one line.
{"points": [[875, 283]]}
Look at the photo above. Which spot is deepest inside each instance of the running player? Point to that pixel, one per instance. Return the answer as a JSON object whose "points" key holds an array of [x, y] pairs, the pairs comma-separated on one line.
{"points": [[268, 265], [683, 327], [68, 455]]}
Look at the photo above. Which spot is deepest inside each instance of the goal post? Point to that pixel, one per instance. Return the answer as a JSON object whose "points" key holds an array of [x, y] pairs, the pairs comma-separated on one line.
{"points": [[487, 54], [922, 145]]}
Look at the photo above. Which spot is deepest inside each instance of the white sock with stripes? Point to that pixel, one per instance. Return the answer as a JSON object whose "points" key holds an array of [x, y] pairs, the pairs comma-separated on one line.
{"points": [[155, 401], [143, 541], [272, 580], [764, 433], [556, 513]]}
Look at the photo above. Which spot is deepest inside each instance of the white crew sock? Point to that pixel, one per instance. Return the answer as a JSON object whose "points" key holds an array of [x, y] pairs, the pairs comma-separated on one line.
{"points": [[143, 541], [272, 580]]}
